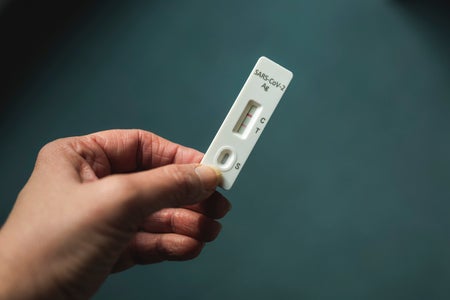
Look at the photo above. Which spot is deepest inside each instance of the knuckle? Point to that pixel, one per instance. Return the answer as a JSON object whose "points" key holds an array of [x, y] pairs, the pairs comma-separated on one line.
{"points": [[172, 220], [49, 151]]}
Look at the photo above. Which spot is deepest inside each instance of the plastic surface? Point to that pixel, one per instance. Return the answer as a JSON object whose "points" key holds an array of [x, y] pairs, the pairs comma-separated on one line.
{"points": [[247, 119]]}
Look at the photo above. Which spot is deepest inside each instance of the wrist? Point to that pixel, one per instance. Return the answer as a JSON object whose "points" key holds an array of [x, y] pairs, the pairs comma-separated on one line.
{"points": [[20, 278], [10, 284]]}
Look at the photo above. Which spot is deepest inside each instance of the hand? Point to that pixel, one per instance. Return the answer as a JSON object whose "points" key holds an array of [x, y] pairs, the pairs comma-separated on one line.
{"points": [[102, 203]]}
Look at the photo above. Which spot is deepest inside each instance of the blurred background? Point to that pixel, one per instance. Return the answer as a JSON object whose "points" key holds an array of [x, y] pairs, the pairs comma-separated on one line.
{"points": [[347, 194]]}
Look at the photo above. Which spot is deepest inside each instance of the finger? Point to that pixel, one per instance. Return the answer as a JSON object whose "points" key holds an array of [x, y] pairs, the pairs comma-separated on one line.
{"points": [[150, 248], [119, 151], [182, 221], [216, 206], [143, 193], [129, 150]]}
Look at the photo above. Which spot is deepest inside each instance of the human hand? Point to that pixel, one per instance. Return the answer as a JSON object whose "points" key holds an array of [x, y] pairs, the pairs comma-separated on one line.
{"points": [[102, 203]]}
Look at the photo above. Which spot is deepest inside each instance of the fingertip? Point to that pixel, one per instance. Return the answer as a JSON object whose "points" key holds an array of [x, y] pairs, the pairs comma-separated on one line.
{"points": [[194, 251], [210, 177], [183, 248], [217, 206], [214, 231]]}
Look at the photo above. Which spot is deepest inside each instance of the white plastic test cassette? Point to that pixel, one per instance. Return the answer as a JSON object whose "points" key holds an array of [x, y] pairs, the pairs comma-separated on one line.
{"points": [[247, 119]]}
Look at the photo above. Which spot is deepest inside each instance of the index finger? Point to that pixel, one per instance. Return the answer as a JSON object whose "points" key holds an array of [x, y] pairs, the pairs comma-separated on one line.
{"points": [[120, 151]]}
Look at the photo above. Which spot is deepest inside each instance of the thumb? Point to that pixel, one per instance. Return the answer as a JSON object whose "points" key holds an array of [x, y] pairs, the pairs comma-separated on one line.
{"points": [[168, 186]]}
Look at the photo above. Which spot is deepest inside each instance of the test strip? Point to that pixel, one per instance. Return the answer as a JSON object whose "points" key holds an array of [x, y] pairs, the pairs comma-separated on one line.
{"points": [[247, 119]]}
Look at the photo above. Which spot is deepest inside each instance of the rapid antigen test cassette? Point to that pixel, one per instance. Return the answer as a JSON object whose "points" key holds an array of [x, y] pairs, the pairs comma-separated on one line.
{"points": [[247, 119]]}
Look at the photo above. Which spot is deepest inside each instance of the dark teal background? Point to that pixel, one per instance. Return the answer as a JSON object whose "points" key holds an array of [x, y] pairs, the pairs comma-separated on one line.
{"points": [[347, 194]]}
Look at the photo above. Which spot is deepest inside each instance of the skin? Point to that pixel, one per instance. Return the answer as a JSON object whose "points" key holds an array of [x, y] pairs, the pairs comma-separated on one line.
{"points": [[102, 203]]}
